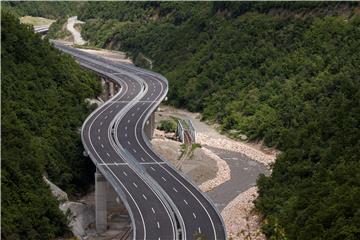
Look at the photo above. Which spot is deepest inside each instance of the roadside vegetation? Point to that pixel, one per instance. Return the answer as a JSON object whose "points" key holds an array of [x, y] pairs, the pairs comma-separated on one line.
{"points": [[42, 110], [168, 125], [286, 73], [50, 9]]}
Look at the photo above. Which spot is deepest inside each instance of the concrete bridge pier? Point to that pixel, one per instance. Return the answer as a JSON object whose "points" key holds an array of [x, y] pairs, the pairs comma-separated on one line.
{"points": [[107, 202], [109, 88], [150, 126], [100, 202]]}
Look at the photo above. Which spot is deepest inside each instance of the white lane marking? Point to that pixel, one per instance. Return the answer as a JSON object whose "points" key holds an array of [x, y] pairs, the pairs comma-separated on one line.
{"points": [[164, 179], [181, 218], [102, 145], [134, 150], [152, 163], [199, 230], [129, 143], [124, 173], [125, 127], [158, 225], [135, 185], [194, 215], [151, 94], [153, 210], [129, 121], [175, 189], [153, 169], [142, 159], [125, 135], [92, 145], [108, 154], [99, 130], [112, 164], [117, 106], [106, 117], [138, 108], [143, 103], [101, 123], [99, 137], [133, 114], [144, 197], [186, 202]]}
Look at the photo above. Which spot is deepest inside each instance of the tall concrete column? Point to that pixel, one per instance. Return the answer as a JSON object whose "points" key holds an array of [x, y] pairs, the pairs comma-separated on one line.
{"points": [[103, 82], [104, 86], [100, 202], [111, 89], [150, 126], [152, 123]]}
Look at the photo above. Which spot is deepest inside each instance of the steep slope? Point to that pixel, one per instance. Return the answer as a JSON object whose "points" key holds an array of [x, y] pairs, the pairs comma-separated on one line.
{"points": [[42, 109]]}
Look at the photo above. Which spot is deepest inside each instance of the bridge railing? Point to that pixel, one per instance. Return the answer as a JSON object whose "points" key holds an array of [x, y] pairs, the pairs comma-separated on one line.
{"points": [[180, 131], [188, 126]]}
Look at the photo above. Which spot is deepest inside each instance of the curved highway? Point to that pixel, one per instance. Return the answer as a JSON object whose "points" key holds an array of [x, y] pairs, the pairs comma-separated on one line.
{"points": [[160, 200]]}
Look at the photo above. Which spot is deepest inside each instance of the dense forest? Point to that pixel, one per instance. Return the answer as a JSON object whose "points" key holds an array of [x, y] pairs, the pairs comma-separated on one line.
{"points": [[42, 109], [286, 73], [46, 9]]}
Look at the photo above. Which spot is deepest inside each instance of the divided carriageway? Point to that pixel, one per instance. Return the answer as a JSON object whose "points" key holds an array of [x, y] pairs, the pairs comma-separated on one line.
{"points": [[162, 203]]}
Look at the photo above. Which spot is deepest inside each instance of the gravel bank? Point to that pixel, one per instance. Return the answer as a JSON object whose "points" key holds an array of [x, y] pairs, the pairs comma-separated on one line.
{"points": [[240, 218], [235, 146], [222, 174], [78, 40]]}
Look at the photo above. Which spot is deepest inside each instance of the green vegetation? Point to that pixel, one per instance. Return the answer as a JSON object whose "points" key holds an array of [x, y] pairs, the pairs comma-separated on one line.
{"points": [[42, 110], [168, 125], [58, 29], [50, 9], [195, 146], [283, 72]]}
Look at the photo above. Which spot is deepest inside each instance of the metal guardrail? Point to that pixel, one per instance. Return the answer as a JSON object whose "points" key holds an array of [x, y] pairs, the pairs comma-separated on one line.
{"points": [[41, 28], [188, 126], [180, 131], [192, 130]]}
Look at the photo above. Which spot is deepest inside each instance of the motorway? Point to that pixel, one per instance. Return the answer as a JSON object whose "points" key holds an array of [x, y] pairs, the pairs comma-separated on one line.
{"points": [[160, 200]]}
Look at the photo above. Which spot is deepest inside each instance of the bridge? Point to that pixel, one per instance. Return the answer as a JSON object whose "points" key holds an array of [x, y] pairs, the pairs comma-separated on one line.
{"points": [[42, 29], [162, 203]]}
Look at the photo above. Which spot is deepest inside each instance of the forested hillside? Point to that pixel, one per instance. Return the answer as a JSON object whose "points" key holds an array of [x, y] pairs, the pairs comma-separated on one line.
{"points": [[282, 72], [47, 9], [42, 109]]}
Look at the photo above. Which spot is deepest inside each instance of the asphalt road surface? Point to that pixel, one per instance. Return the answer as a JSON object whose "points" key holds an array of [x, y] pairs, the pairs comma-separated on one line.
{"points": [[162, 203]]}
